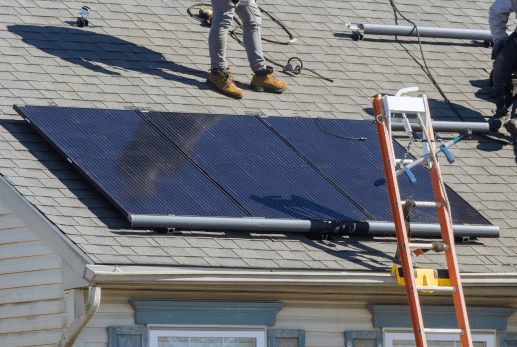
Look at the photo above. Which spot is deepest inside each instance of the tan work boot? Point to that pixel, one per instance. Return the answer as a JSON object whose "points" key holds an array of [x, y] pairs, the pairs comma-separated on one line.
{"points": [[222, 81], [263, 81]]}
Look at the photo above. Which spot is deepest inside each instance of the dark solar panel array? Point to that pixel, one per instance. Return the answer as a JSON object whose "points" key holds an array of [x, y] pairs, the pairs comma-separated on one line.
{"points": [[235, 166], [255, 166], [131, 163], [333, 146]]}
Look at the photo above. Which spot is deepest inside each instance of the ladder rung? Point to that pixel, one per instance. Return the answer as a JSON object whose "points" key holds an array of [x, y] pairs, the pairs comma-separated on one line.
{"points": [[436, 288], [425, 204], [444, 331], [423, 246]]}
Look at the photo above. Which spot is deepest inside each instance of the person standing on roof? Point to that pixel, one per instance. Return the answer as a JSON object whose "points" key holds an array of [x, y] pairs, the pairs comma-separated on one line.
{"points": [[505, 55], [219, 77]]}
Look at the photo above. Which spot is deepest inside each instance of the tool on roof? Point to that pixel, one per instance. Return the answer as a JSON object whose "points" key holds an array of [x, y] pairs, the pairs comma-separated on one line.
{"points": [[206, 14], [428, 281], [82, 21]]}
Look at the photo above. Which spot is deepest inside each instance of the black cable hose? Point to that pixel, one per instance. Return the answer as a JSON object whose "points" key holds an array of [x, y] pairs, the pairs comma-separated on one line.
{"points": [[233, 34], [431, 77]]}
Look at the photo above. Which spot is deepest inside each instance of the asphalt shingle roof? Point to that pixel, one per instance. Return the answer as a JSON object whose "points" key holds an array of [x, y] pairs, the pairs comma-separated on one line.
{"points": [[138, 53]]}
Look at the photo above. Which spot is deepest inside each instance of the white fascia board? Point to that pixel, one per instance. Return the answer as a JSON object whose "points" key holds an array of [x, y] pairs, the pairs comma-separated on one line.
{"points": [[72, 255], [106, 274]]}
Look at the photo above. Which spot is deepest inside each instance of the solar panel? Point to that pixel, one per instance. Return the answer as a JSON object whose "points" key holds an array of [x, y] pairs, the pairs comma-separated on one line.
{"points": [[235, 166], [333, 146], [255, 166], [130, 162]]}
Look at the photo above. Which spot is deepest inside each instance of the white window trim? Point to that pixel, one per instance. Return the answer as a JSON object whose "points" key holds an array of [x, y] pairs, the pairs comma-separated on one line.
{"points": [[258, 332], [487, 336]]}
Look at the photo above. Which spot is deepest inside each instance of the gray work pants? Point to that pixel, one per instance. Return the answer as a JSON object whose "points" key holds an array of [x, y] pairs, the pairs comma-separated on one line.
{"points": [[249, 14]]}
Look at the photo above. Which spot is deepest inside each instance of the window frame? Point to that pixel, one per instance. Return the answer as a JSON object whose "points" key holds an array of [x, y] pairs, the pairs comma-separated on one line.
{"points": [[155, 330], [390, 334]]}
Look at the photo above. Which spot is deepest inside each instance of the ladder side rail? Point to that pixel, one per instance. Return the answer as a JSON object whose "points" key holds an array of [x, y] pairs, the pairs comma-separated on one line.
{"points": [[388, 160], [448, 238]]}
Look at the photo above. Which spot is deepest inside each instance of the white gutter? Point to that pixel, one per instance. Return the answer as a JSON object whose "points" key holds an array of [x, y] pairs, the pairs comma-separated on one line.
{"points": [[106, 274], [90, 308]]}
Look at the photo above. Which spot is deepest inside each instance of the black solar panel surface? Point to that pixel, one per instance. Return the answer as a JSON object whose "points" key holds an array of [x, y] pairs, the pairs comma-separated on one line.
{"points": [[355, 165], [130, 162], [144, 164], [255, 166]]}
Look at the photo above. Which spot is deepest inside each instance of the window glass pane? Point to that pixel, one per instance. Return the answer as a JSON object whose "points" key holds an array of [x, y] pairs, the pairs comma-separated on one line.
{"points": [[239, 342], [365, 343], [206, 342], [435, 343], [430, 343], [167, 341]]}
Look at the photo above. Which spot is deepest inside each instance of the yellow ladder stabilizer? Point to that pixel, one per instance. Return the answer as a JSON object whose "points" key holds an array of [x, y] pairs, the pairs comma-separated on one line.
{"points": [[424, 277]]}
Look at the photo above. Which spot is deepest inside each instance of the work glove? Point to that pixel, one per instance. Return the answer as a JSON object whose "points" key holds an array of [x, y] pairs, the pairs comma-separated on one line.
{"points": [[498, 45]]}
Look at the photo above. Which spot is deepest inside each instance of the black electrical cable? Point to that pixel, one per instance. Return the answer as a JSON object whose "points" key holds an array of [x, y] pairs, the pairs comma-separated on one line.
{"points": [[328, 132], [431, 77]]}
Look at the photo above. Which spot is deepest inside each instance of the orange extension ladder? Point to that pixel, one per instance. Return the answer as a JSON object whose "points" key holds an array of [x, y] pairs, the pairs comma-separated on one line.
{"points": [[383, 107]]}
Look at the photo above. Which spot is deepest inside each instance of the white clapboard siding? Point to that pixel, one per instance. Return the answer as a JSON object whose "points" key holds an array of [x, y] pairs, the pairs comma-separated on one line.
{"points": [[37, 338], [96, 335], [46, 292], [33, 310], [24, 249], [30, 279], [43, 262], [34, 323], [29, 309], [11, 221], [512, 323], [15, 235]]}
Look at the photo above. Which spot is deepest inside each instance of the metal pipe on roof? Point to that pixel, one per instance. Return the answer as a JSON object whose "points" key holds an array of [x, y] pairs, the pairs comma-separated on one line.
{"points": [[252, 224], [476, 127], [443, 33]]}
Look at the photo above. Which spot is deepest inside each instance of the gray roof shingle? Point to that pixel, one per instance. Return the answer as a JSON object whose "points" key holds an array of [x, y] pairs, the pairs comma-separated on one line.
{"points": [[152, 54]]}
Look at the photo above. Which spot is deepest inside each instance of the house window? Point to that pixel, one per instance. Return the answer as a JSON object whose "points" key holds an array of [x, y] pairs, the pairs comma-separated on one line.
{"points": [[204, 337], [407, 339]]}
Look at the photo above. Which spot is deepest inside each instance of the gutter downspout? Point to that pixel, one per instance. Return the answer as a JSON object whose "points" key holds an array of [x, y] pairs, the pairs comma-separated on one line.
{"points": [[77, 326]]}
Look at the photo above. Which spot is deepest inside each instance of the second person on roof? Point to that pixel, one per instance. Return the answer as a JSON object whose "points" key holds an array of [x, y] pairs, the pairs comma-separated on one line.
{"points": [[219, 77]]}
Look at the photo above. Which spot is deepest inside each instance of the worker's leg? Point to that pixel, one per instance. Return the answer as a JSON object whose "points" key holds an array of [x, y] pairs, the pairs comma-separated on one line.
{"points": [[263, 79], [505, 64], [251, 18], [222, 16]]}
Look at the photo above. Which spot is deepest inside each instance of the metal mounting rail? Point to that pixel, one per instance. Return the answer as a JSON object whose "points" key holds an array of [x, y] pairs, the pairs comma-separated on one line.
{"points": [[361, 29]]}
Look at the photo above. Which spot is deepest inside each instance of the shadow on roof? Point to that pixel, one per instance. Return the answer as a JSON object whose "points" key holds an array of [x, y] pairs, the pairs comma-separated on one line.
{"points": [[104, 53]]}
